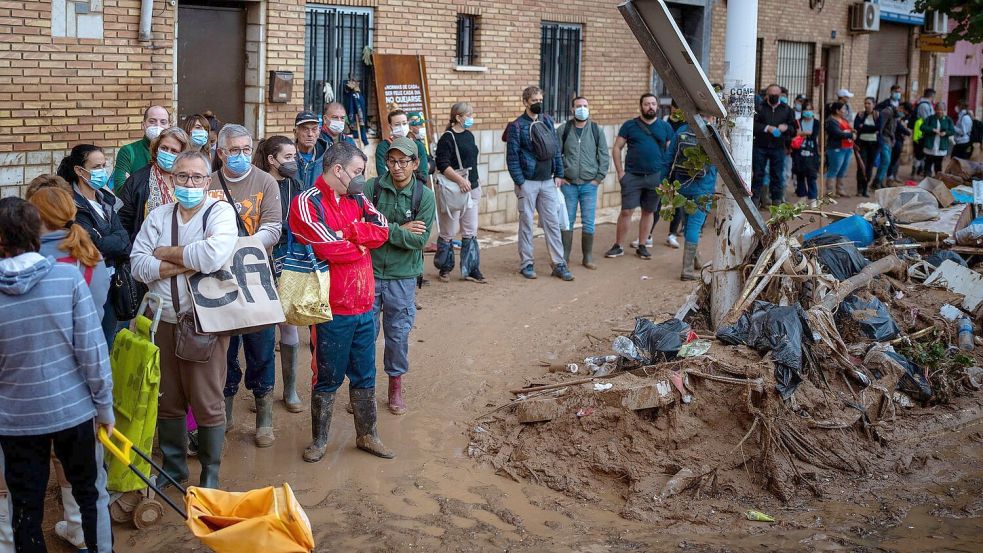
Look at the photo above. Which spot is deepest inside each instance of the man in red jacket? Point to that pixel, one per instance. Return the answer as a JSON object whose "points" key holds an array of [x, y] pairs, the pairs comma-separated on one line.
{"points": [[341, 226]]}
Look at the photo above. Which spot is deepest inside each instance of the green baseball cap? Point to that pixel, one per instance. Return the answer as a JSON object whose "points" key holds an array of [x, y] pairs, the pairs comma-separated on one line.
{"points": [[405, 145]]}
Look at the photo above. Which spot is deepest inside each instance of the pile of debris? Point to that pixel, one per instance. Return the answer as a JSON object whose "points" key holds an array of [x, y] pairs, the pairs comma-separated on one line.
{"points": [[813, 373]]}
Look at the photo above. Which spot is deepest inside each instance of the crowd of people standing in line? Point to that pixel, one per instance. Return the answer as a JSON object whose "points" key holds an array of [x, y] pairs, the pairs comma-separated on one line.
{"points": [[787, 138]]}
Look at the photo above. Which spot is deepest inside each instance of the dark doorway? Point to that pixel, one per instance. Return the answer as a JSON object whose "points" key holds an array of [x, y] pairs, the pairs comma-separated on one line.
{"points": [[211, 60]]}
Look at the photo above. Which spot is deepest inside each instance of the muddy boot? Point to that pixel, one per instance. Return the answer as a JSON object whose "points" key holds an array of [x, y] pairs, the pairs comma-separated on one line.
{"points": [[587, 248], [70, 529], [689, 263], [841, 189], [288, 368], [367, 435], [566, 236], [210, 439], [172, 435], [6, 528], [396, 405], [322, 403], [697, 262], [264, 421], [229, 402]]}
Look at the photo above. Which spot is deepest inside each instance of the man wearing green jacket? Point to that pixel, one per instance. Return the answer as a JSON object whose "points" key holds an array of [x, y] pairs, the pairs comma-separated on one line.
{"points": [[410, 209], [136, 155], [585, 163]]}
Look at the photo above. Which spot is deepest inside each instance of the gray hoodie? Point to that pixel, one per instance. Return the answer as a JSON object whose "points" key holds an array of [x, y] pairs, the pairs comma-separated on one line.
{"points": [[98, 281], [54, 365]]}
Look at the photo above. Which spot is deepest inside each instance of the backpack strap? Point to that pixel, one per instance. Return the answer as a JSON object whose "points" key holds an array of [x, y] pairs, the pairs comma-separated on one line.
{"points": [[86, 271], [644, 128], [417, 198], [566, 132], [228, 196], [597, 132]]}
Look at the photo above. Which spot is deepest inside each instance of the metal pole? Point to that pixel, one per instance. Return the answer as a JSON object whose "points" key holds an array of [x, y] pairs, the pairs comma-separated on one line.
{"points": [[734, 236], [822, 140]]}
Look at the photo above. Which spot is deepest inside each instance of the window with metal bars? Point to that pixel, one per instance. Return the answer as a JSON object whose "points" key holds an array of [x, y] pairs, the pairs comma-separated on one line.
{"points": [[334, 40], [795, 67], [559, 68], [467, 45]]}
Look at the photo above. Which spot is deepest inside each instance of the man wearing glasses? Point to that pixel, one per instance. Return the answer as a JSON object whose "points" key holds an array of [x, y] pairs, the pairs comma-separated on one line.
{"points": [[256, 197], [206, 238], [410, 209]]}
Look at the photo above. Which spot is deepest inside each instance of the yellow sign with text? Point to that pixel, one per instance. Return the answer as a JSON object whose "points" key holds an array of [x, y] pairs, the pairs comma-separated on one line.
{"points": [[935, 43]]}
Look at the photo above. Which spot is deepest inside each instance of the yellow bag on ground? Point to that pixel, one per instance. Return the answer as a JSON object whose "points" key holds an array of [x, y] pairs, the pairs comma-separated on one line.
{"points": [[268, 520]]}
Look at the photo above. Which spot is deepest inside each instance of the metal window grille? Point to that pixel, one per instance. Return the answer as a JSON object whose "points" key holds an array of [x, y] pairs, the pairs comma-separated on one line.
{"points": [[795, 67], [333, 44], [467, 27], [559, 68]]}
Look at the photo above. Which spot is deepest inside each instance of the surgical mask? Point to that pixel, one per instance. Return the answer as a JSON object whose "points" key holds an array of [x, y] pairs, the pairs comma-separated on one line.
{"points": [[783, 99], [581, 113], [199, 137], [189, 198], [422, 133], [287, 168], [401, 130], [808, 114], [98, 178], [536, 108], [336, 126], [237, 164], [356, 185], [798, 107], [468, 122], [896, 96], [165, 160], [153, 132], [773, 99]]}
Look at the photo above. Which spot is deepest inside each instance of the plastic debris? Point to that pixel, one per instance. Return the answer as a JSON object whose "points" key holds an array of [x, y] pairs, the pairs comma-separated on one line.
{"points": [[950, 312], [602, 387], [585, 412], [573, 368], [659, 342], [626, 348], [695, 349], [758, 516], [871, 315]]}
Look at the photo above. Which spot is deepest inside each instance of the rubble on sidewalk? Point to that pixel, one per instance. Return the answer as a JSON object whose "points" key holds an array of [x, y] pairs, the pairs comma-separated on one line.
{"points": [[816, 372]]}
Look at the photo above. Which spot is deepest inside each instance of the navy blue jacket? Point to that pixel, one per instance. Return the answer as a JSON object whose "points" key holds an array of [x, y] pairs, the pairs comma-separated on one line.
{"points": [[519, 153]]}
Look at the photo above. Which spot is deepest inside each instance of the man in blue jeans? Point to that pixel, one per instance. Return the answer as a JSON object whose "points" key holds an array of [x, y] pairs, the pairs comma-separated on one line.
{"points": [[342, 227], [774, 127], [585, 163], [410, 208]]}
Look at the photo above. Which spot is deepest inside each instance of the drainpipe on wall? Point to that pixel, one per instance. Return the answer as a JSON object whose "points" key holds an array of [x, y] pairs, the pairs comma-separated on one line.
{"points": [[146, 17]]}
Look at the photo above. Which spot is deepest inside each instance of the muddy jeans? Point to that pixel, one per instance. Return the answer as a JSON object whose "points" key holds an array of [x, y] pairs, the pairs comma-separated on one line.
{"points": [[540, 196], [395, 311], [260, 362], [185, 384], [344, 346]]}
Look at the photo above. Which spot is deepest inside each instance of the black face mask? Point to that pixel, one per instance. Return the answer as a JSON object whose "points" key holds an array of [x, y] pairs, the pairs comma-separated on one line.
{"points": [[773, 99], [536, 108]]}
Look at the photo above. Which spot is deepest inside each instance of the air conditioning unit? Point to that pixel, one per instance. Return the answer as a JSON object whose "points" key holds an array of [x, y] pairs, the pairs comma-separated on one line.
{"points": [[936, 23], [865, 17]]}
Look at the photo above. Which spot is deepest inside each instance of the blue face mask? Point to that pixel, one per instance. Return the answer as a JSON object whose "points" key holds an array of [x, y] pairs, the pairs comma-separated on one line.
{"points": [[199, 137], [468, 122], [165, 160], [896, 96], [98, 178], [237, 164], [189, 198], [783, 100], [807, 115], [581, 113]]}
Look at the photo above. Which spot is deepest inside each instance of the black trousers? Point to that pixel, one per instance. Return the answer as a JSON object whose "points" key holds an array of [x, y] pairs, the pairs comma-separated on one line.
{"points": [[962, 151], [27, 462], [868, 152]]}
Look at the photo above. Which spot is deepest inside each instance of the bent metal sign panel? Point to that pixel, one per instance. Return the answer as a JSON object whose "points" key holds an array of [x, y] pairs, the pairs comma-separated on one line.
{"points": [[240, 295]]}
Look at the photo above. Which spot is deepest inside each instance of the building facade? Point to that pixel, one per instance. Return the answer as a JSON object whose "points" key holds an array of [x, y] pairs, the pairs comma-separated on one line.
{"points": [[963, 77]]}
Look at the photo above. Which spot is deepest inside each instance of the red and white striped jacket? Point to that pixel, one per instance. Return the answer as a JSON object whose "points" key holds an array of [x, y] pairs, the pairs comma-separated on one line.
{"points": [[351, 227]]}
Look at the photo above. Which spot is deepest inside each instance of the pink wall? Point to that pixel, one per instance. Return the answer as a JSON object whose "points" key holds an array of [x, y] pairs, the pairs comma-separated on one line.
{"points": [[966, 61]]}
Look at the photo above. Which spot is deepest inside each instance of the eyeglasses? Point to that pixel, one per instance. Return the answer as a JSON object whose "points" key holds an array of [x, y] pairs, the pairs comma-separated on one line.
{"points": [[248, 151], [401, 163], [197, 180]]}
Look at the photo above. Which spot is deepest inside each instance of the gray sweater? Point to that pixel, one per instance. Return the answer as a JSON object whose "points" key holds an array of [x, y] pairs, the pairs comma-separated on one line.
{"points": [[98, 284], [54, 365]]}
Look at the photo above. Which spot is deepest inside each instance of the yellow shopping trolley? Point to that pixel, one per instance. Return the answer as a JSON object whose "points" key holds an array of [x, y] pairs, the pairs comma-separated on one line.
{"points": [[269, 519]]}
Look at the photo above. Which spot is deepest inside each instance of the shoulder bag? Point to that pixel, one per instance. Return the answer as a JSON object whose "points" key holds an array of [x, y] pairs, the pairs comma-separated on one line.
{"points": [[190, 344], [452, 199]]}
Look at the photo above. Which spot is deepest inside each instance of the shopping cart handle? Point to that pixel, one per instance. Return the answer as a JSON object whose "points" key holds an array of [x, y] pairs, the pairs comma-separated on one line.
{"points": [[125, 455]]}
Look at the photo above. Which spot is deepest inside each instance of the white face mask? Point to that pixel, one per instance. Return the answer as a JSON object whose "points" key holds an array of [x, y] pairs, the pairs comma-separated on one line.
{"points": [[401, 130], [153, 132], [336, 126]]}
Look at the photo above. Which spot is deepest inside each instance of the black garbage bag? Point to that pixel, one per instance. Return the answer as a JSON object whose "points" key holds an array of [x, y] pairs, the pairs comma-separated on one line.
{"points": [[658, 342], [782, 330], [871, 315], [913, 381], [842, 260], [939, 256]]}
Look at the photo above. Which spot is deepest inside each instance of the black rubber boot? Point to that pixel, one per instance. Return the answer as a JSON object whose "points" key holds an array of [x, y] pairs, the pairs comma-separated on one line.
{"points": [[322, 404], [210, 442], [172, 436], [229, 402], [587, 248], [264, 421], [566, 236], [366, 432], [288, 369]]}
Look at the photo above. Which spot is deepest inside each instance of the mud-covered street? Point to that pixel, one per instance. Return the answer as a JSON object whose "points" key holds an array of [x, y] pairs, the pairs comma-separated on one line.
{"points": [[473, 343]]}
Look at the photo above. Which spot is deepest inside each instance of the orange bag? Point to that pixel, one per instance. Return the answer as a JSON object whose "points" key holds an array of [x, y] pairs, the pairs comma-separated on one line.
{"points": [[268, 520]]}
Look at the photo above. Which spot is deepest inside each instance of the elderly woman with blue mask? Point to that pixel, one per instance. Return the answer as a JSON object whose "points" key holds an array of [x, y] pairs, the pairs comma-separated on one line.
{"points": [[151, 187]]}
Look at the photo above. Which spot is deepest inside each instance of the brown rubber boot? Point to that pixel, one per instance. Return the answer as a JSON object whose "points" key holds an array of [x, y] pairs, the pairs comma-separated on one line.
{"points": [[366, 432], [396, 405]]}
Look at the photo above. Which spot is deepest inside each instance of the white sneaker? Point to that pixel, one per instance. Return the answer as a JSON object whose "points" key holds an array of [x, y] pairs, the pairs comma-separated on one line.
{"points": [[648, 242], [634, 243], [672, 241]]}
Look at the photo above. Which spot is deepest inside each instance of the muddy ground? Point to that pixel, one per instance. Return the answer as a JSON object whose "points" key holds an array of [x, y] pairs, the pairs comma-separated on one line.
{"points": [[473, 343]]}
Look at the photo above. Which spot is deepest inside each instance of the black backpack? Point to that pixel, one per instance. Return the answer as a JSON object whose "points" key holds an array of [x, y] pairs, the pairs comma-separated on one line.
{"points": [[542, 137], [569, 125], [414, 203], [976, 134]]}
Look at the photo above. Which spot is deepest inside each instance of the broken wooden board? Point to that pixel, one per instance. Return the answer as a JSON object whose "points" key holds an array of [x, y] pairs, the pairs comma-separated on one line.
{"points": [[539, 410], [961, 280], [643, 394]]}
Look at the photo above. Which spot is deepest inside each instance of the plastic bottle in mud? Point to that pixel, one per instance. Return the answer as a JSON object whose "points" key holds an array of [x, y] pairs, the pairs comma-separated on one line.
{"points": [[965, 327], [601, 359]]}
